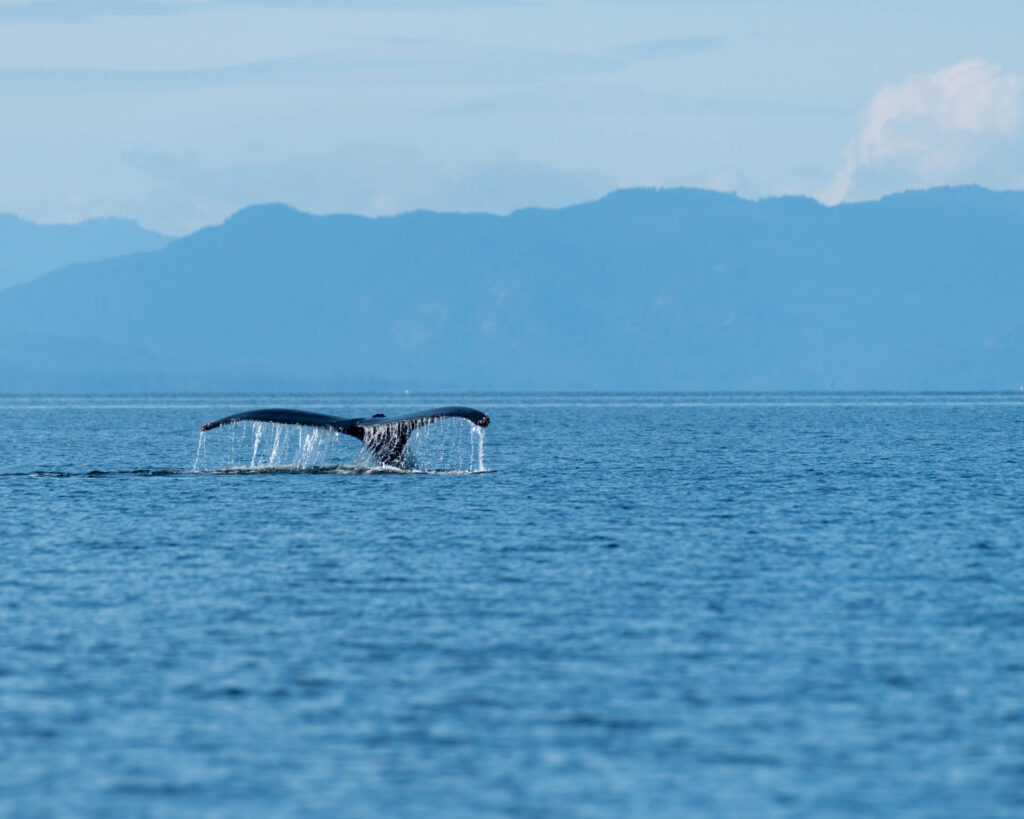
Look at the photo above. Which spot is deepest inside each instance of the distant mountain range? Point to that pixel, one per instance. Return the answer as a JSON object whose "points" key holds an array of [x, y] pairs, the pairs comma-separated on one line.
{"points": [[645, 289], [28, 250]]}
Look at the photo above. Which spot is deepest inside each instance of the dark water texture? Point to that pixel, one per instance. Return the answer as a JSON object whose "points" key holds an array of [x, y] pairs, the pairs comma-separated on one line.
{"points": [[652, 606]]}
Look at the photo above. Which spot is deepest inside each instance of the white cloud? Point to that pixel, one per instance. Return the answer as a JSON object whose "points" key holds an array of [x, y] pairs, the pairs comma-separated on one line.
{"points": [[962, 124]]}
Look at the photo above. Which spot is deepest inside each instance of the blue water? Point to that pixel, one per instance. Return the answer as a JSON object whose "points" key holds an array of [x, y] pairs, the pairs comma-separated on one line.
{"points": [[647, 605]]}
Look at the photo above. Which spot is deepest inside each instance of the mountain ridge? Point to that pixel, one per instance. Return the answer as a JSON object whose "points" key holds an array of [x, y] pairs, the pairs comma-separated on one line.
{"points": [[30, 250], [642, 289]]}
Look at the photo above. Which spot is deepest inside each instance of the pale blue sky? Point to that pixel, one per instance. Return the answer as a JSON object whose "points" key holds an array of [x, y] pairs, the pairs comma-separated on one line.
{"points": [[179, 112]]}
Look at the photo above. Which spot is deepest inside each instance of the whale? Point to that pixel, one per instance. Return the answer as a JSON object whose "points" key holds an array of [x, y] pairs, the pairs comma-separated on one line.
{"points": [[384, 435]]}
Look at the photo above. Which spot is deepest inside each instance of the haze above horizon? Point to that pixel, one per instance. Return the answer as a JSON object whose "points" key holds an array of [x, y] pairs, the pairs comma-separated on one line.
{"points": [[178, 113]]}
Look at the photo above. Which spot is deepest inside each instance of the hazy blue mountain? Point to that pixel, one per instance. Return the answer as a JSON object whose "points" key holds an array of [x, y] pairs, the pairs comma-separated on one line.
{"points": [[644, 289], [28, 250]]}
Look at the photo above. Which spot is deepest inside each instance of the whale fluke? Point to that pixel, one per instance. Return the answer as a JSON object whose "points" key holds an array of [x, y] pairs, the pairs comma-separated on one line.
{"points": [[284, 416], [386, 436]]}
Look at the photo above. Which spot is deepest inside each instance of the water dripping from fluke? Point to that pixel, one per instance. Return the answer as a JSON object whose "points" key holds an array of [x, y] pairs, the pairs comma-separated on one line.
{"points": [[283, 440], [200, 450]]}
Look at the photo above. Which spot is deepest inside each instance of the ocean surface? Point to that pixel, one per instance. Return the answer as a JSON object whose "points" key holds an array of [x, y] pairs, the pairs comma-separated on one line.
{"points": [[611, 606]]}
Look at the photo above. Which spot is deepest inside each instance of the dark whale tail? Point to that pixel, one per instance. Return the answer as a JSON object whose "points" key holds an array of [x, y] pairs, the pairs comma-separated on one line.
{"points": [[386, 436]]}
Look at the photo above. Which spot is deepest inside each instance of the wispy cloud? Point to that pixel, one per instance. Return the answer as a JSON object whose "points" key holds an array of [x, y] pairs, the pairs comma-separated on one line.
{"points": [[667, 49], [934, 128], [73, 11], [627, 98], [396, 63]]}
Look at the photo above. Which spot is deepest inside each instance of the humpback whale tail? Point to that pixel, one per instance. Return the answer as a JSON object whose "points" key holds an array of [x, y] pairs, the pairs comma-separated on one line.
{"points": [[385, 436]]}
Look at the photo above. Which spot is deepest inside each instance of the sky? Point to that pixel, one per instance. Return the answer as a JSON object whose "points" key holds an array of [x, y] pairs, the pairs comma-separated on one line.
{"points": [[178, 113]]}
